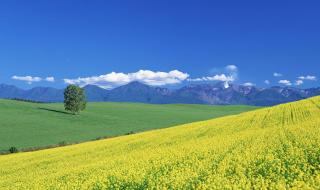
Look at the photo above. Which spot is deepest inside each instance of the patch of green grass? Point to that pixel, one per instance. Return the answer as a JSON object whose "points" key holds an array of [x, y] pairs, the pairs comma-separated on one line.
{"points": [[28, 125]]}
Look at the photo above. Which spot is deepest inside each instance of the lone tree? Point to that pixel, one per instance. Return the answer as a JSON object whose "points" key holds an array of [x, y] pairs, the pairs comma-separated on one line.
{"points": [[74, 99]]}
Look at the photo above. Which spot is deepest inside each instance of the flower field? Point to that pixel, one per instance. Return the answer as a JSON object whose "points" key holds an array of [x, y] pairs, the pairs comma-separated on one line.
{"points": [[270, 148]]}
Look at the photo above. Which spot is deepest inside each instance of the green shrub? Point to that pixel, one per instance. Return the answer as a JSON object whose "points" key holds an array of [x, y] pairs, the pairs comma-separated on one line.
{"points": [[130, 133], [63, 143], [13, 149]]}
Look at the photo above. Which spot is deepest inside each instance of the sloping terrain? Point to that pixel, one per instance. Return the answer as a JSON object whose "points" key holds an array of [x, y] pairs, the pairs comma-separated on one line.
{"points": [[270, 148], [28, 125]]}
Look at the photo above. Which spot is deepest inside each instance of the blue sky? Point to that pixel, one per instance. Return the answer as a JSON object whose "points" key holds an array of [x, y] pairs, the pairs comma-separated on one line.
{"points": [[167, 42]]}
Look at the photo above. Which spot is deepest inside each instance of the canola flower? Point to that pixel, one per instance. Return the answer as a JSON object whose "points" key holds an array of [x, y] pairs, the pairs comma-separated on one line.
{"points": [[270, 148]]}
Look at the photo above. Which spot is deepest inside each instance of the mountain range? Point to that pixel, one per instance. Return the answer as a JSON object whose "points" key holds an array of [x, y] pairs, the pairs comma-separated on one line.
{"points": [[212, 94]]}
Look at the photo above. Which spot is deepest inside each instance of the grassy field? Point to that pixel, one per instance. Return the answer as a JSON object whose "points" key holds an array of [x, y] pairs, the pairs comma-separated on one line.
{"points": [[26, 125], [270, 148]]}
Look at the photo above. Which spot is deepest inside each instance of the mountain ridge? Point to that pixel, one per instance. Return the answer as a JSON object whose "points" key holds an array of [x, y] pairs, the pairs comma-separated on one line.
{"points": [[212, 94]]}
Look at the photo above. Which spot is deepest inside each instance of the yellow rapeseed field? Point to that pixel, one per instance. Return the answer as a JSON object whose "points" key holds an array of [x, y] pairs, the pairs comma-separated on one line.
{"points": [[270, 148]]}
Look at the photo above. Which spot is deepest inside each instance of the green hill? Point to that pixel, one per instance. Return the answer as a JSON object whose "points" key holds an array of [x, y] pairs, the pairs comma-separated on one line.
{"points": [[27, 125], [270, 148]]}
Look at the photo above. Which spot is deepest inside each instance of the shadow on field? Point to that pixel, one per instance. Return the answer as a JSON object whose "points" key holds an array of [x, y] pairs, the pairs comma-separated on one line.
{"points": [[57, 111]]}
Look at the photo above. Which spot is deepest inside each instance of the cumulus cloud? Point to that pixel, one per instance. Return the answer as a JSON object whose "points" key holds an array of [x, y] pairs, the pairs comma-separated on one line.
{"points": [[277, 74], [285, 82], [231, 68], [230, 74], [232, 71], [298, 82], [221, 77], [267, 82], [28, 79], [115, 79], [248, 84], [308, 77], [49, 79], [31, 79]]}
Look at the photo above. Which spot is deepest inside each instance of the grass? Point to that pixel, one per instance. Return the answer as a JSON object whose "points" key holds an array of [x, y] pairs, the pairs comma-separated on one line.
{"points": [[27, 125], [270, 148]]}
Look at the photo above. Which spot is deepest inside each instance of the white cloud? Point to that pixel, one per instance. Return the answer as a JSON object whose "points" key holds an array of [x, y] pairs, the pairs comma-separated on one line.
{"points": [[221, 77], [31, 79], [226, 85], [148, 77], [231, 68], [232, 71], [50, 79], [248, 84], [277, 75], [299, 82], [285, 82], [308, 77], [267, 82], [230, 75], [28, 79]]}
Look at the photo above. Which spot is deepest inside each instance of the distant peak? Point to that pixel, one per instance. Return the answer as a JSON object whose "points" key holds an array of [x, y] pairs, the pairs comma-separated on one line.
{"points": [[91, 86], [136, 83]]}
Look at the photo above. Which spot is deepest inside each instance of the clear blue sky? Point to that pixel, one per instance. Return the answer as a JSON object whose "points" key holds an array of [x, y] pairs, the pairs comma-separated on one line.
{"points": [[71, 39]]}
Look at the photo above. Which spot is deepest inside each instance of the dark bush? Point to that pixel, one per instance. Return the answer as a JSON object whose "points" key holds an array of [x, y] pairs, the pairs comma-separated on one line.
{"points": [[130, 133], [63, 143], [13, 149], [26, 100]]}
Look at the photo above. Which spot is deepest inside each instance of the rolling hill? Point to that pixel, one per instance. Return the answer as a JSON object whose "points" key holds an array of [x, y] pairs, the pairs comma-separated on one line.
{"points": [[269, 148], [27, 125]]}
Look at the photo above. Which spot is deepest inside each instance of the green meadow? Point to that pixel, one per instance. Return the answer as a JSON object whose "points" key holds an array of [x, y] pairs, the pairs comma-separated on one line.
{"points": [[32, 125]]}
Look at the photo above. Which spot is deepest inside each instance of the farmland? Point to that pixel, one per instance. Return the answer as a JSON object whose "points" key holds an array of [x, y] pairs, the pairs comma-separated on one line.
{"points": [[27, 125], [269, 148]]}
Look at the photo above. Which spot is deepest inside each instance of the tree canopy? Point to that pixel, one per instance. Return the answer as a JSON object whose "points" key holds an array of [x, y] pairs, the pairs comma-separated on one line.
{"points": [[74, 99]]}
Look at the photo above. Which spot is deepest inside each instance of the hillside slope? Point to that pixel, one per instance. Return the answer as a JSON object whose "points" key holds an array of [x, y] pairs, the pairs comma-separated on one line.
{"points": [[277, 147], [28, 125]]}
